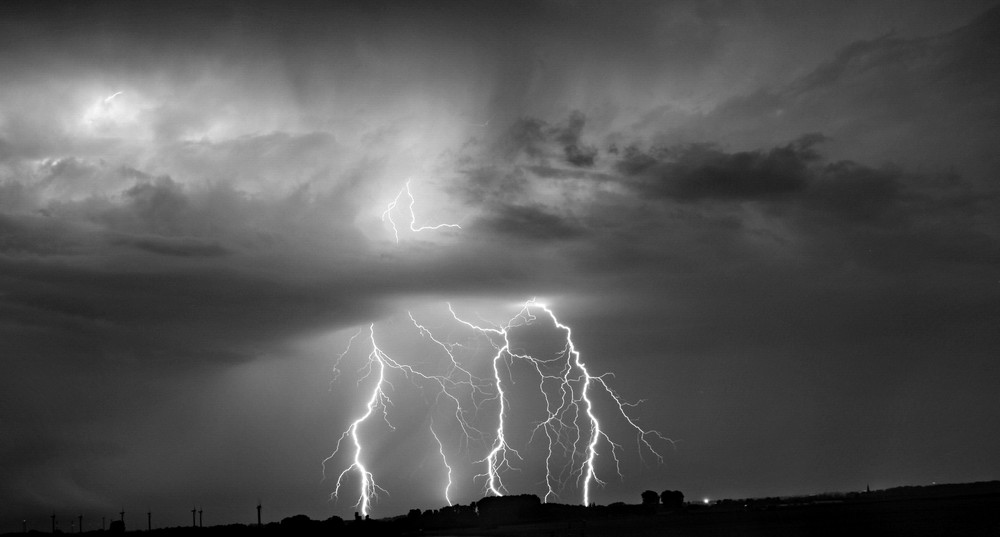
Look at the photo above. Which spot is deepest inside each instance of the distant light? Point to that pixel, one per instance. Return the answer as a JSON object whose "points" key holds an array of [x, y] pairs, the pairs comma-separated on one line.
{"points": [[705, 501]]}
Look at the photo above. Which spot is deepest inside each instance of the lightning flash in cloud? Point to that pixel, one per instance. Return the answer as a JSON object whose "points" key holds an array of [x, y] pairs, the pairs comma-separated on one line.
{"points": [[112, 96], [393, 207], [572, 423]]}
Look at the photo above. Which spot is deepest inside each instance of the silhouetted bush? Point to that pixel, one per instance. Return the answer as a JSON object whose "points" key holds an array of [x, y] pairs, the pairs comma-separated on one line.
{"points": [[672, 499], [296, 521], [506, 509]]}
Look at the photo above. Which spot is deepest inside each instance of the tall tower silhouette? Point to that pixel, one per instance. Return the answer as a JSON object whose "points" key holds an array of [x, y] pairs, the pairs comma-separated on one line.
{"points": [[200, 520], [193, 511], [258, 513], [53, 522], [149, 520], [122, 515], [79, 527]]}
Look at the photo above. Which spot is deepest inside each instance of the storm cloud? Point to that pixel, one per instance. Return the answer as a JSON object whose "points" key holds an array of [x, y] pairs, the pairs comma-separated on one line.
{"points": [[779, 224]]}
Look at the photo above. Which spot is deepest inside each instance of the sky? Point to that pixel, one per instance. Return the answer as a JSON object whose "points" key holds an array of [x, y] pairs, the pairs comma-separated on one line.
{"points": [[776, 223]]}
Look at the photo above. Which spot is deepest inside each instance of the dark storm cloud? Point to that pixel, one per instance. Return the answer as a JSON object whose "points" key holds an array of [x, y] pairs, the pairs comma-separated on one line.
{"points": [[204, 314], [698, 171], [527, 223], [790, 197], [134, 299], [176, 247], [577, 153], [501, 169], [535, 139], [916, 101]]}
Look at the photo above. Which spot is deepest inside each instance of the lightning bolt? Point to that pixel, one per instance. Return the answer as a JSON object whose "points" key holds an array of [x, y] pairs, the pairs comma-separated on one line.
{"points": [[112, 96], [391, 207], [444, 459], [377, 402], [565, 409], [498, 458], [572, 425], [456, 385]]}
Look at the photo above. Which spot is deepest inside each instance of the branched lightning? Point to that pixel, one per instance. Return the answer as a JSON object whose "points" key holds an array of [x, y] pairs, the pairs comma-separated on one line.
{"points": [[456, 385], [570, 404], [377, 401], [444, 460], [391, 207], [499, 456], [572, 425]]}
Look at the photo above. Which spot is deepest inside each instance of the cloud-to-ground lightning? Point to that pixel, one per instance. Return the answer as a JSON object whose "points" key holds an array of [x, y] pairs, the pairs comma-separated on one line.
{"points": [[456, 385], [376, 402], [572, 423], [391, 207], [563, 408], [498, 458], [444, 460], [587, 472]]}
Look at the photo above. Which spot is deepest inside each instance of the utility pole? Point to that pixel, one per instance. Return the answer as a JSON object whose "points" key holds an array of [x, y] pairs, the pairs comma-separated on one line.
{"points": [[258, 513], [102, 523], [193, 511], [53, 522], [200, 521], [79, 527], [121, 515], [149, 520], [24, 525]]}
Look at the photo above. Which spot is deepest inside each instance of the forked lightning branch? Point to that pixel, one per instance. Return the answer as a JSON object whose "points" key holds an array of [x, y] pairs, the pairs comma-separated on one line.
{"points": [[393, 207], [575, 437]]}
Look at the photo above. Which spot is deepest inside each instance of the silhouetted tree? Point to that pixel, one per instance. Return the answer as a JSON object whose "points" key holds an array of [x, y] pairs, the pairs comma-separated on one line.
{"points": [[672, 499], [650, 498], [299, 524], [504, 509]]}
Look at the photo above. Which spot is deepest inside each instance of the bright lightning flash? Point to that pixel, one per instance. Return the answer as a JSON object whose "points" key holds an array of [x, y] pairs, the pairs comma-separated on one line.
{"points": [[456, 385], [562, 426], [377, 402], [447, 466], [391, 207], [572, 427]]}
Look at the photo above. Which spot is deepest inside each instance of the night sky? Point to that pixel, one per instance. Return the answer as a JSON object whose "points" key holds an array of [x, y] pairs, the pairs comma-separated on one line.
{"points": [[777, 223]]}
